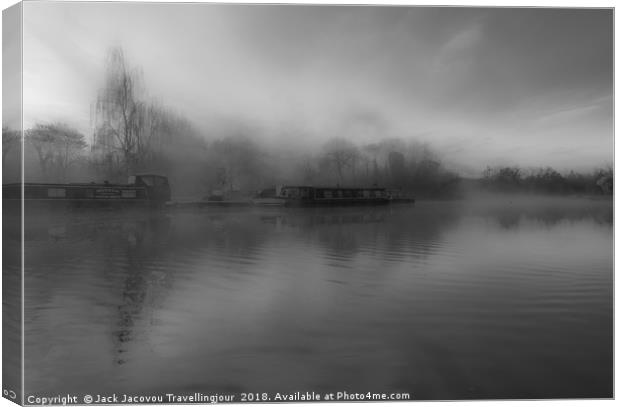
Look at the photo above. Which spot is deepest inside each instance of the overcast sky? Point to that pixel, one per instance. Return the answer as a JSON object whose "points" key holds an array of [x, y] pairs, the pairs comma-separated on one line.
{"points": [[483, 86]]}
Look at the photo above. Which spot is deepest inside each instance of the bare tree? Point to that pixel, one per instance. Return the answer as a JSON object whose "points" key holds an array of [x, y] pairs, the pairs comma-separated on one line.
{"points": [[341, 154], [57, 146], [307, 170], [10, 138], [236, 160]]}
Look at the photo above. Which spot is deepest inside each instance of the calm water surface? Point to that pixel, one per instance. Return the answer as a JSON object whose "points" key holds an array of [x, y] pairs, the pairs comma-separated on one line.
{"points": [[442, 300]]}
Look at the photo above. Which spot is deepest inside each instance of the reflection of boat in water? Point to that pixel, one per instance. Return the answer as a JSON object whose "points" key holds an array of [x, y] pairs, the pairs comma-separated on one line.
{"points": [[269, 201], [332, 196], [134, 227], [314, 218]]}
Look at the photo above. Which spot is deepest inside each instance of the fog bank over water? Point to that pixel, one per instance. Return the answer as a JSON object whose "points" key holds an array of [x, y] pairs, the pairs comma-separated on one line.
{"points": [[528, 87]]}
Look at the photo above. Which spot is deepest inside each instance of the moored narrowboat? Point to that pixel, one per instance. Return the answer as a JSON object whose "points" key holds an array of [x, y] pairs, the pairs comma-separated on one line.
{"points": [[309, 196], [268, 197], [143, 189]]}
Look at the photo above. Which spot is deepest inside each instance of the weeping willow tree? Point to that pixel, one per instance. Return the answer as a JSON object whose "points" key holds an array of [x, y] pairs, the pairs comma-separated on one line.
{"points": [[120, 138], [132, 132]]}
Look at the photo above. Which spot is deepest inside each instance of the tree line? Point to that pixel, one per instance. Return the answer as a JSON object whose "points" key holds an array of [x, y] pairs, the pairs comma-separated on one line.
{"points": [[405, 167], [133, 133], [548, 181]]}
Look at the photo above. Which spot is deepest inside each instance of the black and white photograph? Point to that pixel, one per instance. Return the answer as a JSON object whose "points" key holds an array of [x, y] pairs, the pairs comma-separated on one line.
{"points": [[209, 203]]}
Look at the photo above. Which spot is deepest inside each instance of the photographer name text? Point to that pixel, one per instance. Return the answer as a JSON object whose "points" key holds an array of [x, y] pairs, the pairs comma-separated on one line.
{"points": [[204, 398]]}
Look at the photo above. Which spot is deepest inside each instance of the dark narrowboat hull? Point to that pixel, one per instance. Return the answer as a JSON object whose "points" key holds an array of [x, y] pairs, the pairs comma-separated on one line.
{"points": [[75, 196], [304, 195], [336, 202]]}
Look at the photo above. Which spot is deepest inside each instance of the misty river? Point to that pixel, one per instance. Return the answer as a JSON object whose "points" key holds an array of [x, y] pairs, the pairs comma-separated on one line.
{"points": [[444, 300]]}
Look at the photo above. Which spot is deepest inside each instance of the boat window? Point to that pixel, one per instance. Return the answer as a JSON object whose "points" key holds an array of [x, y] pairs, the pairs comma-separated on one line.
{"points": [[328, 194], [291, 192], [56, 192], [128, 193], [131, 180]]}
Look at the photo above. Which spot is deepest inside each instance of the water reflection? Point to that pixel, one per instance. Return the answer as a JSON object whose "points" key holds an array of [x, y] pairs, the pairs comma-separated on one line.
{"points": [[548, 211], [442, 300]]}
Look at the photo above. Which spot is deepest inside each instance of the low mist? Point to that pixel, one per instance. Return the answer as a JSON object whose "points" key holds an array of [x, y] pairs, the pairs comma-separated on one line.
{"points": [[134, 133]]}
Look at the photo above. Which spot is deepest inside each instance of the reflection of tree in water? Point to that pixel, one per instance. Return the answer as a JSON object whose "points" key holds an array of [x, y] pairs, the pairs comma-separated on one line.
{"points": [[549, 214], [341, 231], [417, 231], [133, 297], [345, 232], [508, 219], [130, 247], [103, 258], [143, 241]]}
